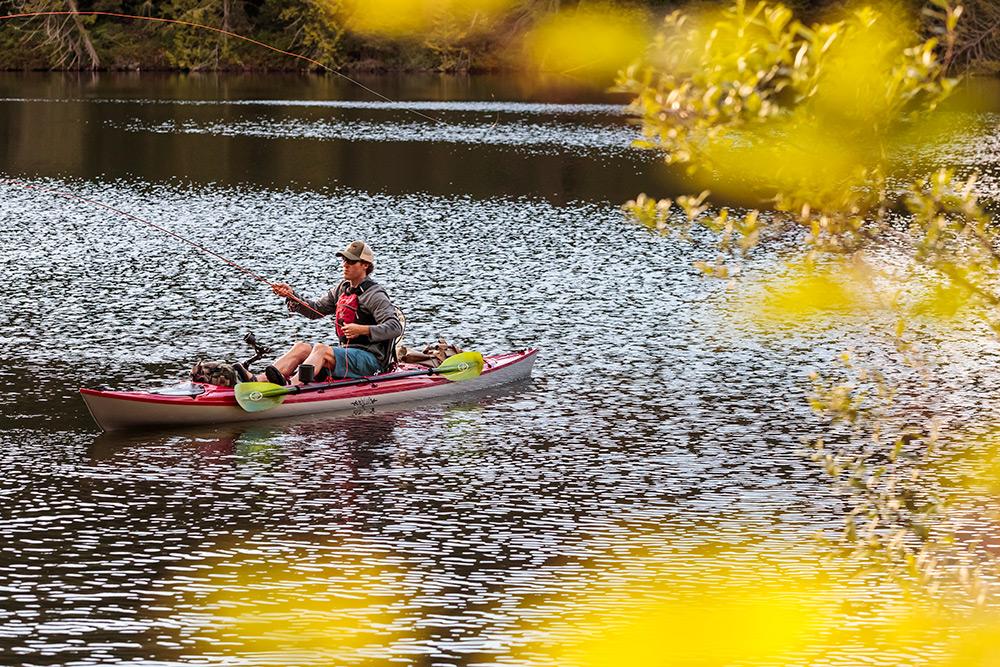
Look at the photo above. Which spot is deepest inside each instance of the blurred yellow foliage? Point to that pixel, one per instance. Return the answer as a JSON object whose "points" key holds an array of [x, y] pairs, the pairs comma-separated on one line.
{"points": [[817, 122], [789, 156], [760, 104], [590, 43], [727, 612], [856, 85], [852, 287], [943, 301], [977, 648], [412, 19], [807, 293], [639, 610], [284, 610], [745, 625]]}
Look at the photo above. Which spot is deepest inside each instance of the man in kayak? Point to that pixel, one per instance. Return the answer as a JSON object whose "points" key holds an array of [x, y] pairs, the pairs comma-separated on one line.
{"points": [[367, 325]]}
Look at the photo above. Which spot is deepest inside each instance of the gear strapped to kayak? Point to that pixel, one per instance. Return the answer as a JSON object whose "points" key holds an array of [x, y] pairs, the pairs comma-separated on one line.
{"points": [[226, 374]]}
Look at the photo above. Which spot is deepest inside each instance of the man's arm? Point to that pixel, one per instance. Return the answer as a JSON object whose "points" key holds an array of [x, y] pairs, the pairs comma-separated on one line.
{"points": [[326, 304], [387, 326]]}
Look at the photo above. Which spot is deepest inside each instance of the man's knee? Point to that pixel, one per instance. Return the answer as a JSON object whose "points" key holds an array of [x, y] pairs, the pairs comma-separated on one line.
{"points": [[301, 349], [322, 353]]}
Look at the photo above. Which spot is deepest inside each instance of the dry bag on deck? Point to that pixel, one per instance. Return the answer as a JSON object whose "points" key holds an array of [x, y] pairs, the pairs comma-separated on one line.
{"points": [[431, 356], [214, 372]]}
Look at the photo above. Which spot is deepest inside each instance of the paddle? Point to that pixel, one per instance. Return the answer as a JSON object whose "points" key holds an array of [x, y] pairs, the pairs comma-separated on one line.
{"points": [[260, 396]]}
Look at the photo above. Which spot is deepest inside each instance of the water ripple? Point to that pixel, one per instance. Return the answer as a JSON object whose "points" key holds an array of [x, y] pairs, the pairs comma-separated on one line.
{"points": [[564, 137]]}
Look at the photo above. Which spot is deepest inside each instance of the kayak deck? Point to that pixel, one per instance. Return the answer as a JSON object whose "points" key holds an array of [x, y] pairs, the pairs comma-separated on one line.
{"points": [[211, 404]]}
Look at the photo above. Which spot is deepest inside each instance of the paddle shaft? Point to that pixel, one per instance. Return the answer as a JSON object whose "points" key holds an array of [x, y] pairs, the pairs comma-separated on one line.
{"points": [[304, 389]]}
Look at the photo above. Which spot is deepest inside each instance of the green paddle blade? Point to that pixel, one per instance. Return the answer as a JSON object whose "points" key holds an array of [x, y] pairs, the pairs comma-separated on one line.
{"points": [[258, 396], [462, 366]]}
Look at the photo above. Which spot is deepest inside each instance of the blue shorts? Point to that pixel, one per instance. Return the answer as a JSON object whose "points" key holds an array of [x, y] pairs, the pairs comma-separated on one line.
{"points": [[353, 362]]}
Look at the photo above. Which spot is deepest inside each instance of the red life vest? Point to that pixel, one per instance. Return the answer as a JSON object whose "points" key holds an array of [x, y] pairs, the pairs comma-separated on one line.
{"points": [[347, 311]]}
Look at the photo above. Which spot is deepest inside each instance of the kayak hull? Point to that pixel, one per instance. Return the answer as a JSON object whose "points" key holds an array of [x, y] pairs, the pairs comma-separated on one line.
{"points": [[122, 410]]}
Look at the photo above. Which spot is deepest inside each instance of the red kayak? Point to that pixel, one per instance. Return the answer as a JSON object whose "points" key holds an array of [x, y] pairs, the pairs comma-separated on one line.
{"points": [[194, 403]]}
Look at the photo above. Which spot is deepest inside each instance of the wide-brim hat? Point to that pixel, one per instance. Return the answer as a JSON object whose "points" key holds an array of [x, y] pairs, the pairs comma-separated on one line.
{"points": [[358, 251]]}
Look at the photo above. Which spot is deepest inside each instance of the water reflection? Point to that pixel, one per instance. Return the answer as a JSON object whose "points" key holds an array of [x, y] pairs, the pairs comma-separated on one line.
{"points": [[551, 138], [477, 108], [328, 135]]}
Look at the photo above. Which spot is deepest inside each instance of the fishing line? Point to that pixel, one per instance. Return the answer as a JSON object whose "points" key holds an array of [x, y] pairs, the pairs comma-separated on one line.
{"points": [[190, 24], [130, 216], [250, 40]]}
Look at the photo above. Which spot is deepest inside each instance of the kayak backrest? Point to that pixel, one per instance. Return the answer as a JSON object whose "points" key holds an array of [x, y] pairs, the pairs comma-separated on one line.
{"points": [[393, 356]]}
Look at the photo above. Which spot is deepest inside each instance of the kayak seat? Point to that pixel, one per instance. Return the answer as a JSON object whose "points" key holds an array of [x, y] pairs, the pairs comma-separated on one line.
{"points": [[393, 360]]}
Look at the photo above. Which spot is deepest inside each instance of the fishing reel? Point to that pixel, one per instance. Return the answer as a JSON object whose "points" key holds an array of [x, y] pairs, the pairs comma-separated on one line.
{"points": [[259, 350]]}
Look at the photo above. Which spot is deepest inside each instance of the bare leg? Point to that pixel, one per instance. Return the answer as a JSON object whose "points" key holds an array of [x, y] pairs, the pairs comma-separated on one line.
{"points": [[289, 361], [320, 356]]}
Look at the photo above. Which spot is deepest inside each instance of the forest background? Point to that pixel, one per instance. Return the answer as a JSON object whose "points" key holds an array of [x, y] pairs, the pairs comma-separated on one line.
{"points": [[359, 35]]}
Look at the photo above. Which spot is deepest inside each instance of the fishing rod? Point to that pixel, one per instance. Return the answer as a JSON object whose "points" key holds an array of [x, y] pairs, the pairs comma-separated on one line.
{"points": [[130, 216], [221, 31], [228, 33]]}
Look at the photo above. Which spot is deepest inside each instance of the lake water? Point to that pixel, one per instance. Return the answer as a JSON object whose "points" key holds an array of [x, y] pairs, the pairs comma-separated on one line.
{"points": [[656, 454]]}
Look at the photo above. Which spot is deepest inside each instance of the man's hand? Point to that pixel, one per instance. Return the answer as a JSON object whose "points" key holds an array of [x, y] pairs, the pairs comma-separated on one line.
{"points": [[282, 289], [353, 330]]}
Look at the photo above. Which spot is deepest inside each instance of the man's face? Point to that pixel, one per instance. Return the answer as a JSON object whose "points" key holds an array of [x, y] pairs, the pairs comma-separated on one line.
{"points": [[354, 270]]}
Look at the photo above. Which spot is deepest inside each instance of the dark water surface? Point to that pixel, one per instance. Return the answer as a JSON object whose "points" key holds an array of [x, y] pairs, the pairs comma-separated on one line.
{"points": [[280, 131], [660, 439]]}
